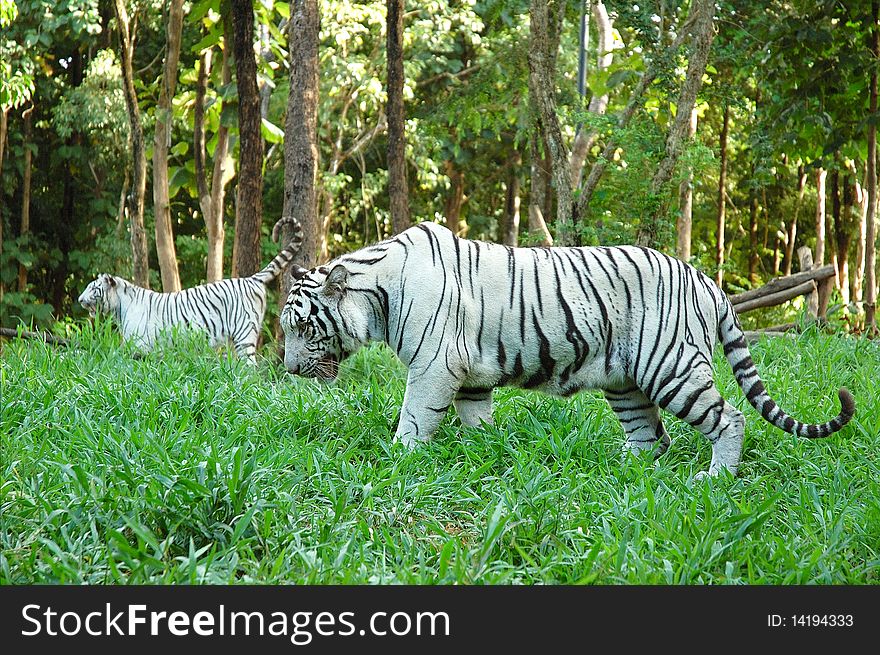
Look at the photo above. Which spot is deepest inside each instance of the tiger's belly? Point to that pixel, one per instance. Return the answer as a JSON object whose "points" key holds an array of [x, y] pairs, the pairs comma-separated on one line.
{"points": [[562, 377]]}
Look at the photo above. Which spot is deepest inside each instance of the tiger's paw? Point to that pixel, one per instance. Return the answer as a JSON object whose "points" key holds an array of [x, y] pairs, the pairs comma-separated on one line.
{"points": [[408, 441]]}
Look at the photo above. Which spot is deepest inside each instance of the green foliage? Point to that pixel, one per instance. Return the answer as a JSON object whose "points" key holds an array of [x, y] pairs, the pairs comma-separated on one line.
{"points": [[793, 75], [625, 197], [188, 468], [96, 109]]}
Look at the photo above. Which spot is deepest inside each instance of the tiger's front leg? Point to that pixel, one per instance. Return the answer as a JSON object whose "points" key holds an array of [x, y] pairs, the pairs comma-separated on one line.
{"points": [[428, 395]]}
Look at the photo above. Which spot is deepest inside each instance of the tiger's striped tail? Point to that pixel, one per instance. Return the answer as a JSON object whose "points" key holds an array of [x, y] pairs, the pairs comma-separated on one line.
{"points": [[283, 258], [737, 352]]}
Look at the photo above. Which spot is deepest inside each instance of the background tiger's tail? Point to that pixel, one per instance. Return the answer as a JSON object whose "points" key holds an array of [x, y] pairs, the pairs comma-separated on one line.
{"points": [[737, 352], [282, 259]]}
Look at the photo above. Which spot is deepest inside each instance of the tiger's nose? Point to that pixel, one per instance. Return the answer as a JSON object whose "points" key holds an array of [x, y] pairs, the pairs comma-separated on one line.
{"points": [[293, 369]]}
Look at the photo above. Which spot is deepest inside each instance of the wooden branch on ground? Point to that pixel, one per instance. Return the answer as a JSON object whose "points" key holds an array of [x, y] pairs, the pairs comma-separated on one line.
{"points": [[39, 336], [776, 329], [775, 298], [751, 336], [781, 283]]}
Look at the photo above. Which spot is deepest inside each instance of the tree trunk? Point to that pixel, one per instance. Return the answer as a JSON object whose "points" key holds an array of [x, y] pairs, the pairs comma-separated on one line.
{"points": [[832, 223], [722, 196], [544, 26], [455, 199], [539, 193], [398, 189], [165, 249], [753, 238], [510, 223], [871, 218], [212, 197], [25, 226], [586, 138], [301, 132], [843, 231], [64, 233], [820, 217], [140, 262], [686, 204], [199, 158], [805, 260], [859, 275], [249, 193], [778, 247], [792, 227], [703, 33]]}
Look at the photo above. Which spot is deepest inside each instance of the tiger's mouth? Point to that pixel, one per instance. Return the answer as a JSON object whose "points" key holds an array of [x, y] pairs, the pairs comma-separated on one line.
{"points": [[90, 308]]}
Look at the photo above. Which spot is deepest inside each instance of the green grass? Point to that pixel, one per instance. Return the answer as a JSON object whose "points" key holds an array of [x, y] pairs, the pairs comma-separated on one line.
{"points": [[190, 467]]}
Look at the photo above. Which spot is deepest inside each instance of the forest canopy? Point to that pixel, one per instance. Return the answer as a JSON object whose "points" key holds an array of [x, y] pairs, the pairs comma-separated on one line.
{"points": [[155, 134]]}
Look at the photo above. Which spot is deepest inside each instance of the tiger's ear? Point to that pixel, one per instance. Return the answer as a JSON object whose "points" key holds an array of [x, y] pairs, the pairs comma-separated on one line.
{"points": [[110, 279], [334, 284]]}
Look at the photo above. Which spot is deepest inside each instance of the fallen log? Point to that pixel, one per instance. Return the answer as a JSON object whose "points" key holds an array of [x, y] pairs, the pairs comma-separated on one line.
{"points": [[781, 283], [775, 298], [37, 336]]}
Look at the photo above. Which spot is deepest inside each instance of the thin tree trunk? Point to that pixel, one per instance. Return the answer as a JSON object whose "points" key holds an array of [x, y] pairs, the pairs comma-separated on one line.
{"points": [[301, 132], [703, 33], [539, 193], [211, 197], [859, 275], [25, 226], [844, 229], [123, 196], [778, 248], [753, 238], [722, 197], [510, 224], [199, 157], [455, 199], [686, 204], [819, 258], [545, 20], [586, 138], [766, 207], [398, 189], [140, 262], [249, 193], [792, 227], [832, 224], [870, 220], [165, 249]]}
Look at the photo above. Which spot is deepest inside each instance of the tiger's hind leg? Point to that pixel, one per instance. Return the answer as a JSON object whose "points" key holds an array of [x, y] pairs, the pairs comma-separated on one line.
{"points": [[693, 397], [640, 419], [474, 406]]}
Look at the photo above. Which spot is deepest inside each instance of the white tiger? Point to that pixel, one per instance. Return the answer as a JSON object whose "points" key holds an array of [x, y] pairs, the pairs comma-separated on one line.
{"points": [[231, 309], [467, 316]]}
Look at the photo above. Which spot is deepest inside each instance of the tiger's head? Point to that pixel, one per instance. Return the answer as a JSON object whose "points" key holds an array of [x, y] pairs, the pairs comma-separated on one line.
{"points": [[323, 322], [101, 295]]}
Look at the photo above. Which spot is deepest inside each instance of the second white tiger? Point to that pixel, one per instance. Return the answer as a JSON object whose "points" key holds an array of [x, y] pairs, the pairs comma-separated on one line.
{"points": [[227, 310]]}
